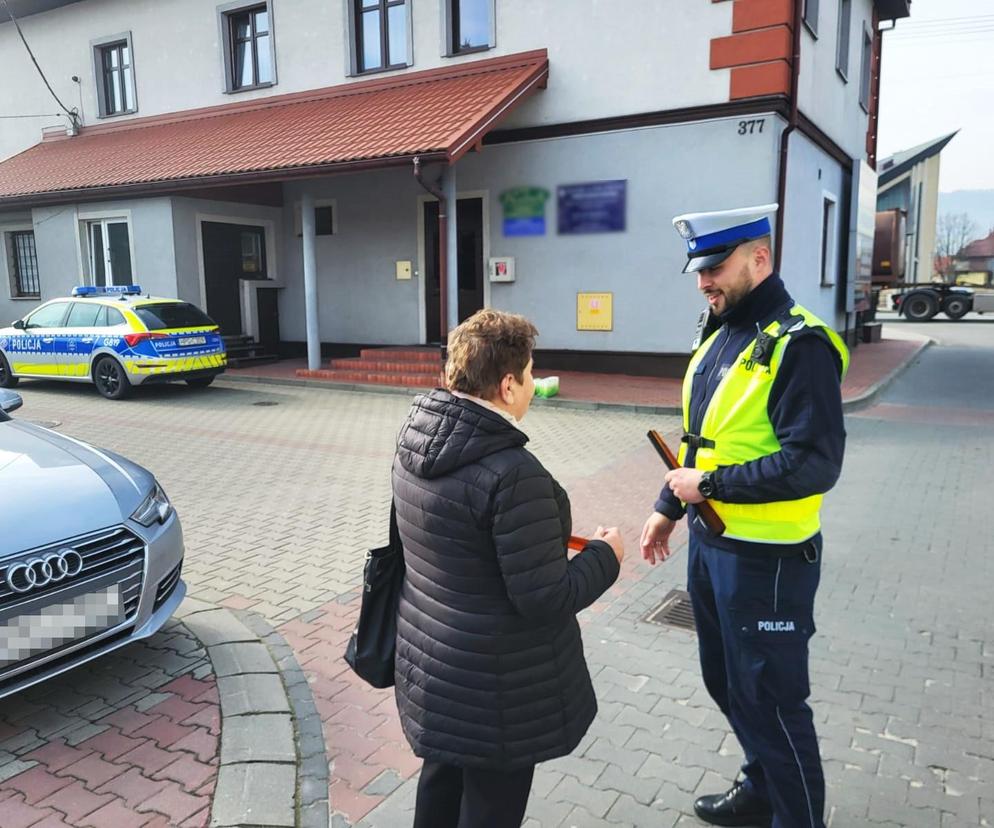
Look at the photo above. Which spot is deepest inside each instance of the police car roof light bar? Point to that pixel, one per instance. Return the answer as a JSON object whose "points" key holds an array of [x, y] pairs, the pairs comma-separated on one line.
{"points": [[109, 290]]}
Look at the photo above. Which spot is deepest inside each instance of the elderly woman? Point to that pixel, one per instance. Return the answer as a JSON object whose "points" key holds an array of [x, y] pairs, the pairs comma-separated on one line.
{"points": [[490, 674]]}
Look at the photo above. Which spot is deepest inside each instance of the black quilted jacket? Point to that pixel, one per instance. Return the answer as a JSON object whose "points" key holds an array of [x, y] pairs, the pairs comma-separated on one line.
{"points": [[490, 667]]}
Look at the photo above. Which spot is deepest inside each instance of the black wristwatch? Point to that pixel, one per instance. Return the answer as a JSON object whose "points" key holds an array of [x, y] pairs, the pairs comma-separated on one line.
{"points": [[707, 486]]}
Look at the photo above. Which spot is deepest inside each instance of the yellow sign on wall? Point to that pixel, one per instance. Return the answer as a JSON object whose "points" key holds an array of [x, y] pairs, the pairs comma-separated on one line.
{"points": [[594, 312]]}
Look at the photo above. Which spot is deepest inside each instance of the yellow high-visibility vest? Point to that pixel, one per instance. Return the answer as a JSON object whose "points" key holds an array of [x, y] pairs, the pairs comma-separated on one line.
{"points": [[737, 428]]}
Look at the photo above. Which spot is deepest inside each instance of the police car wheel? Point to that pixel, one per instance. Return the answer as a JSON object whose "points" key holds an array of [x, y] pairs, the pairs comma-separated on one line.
{"points": [[7, 379], [200, 382], [110, 379]]}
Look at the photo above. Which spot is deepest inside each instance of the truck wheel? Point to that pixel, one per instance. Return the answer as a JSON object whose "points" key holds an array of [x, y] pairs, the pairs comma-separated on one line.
{"points": [[7, 379], [110, 378], [920, 307], [956, 307]]}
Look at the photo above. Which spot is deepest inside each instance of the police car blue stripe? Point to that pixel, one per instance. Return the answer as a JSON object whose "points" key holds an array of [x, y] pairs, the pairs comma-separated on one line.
{"points": [[753, 230]]}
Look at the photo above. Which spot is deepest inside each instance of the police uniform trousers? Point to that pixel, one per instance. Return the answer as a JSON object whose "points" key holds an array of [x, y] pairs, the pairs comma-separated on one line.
{"points": [[754, 616]]}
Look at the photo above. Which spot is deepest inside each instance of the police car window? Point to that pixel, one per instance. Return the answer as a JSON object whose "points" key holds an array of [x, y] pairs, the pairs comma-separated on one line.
{"points": [[114, 317], [172, 315], [49, 316], [83, 315]]}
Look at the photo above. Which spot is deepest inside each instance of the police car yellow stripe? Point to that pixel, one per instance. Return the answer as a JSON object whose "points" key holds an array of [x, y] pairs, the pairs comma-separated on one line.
{"points": [[145, 365]]}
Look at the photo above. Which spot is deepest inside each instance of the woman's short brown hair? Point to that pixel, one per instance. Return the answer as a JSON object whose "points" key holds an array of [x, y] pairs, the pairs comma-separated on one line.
{"points": [[487, 347]]}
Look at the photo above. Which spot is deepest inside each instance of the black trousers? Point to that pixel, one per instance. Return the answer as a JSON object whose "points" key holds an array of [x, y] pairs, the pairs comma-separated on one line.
{"points": [[453, 797]]}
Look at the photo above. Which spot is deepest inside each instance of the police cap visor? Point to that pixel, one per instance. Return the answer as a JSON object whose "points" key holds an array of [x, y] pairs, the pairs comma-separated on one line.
{"points": [[710, 260]]}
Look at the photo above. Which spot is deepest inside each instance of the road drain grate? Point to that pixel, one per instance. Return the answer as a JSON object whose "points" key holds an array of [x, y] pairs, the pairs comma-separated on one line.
{"points": [[674, 611], [265, 403]]}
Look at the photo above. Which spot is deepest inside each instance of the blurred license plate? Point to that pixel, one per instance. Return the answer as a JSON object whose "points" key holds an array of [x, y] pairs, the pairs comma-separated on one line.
{"points": [[56, 624], [192, 340]]}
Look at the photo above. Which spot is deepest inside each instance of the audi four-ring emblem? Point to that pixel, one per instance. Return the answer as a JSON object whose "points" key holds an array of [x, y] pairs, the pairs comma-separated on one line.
{"points": [[35, 573]]}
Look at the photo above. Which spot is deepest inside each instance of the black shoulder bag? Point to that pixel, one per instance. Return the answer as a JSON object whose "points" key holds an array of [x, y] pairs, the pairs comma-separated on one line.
{"points": [[373, 643]]}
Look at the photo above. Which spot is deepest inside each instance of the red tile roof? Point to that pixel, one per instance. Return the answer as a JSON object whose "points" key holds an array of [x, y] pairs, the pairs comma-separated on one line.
{"points": [[438, 114], [979, 249]]}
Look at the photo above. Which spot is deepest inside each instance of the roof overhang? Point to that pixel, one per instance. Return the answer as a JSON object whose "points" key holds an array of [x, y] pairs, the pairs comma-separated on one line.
{"points": [[437, 115], [25, 8]]}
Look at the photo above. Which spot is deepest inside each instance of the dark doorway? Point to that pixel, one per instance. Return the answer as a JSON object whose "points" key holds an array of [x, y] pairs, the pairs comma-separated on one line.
{"points": [[269, 320], [469, 255], [232, 252]]}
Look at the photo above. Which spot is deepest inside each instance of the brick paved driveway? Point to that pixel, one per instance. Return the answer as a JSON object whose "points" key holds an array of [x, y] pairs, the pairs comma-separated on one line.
{"points": [[280, 500]]}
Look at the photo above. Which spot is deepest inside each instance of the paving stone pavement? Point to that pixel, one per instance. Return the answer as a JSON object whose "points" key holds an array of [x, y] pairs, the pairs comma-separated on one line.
{"points": [[279, 504], [128, 740]]}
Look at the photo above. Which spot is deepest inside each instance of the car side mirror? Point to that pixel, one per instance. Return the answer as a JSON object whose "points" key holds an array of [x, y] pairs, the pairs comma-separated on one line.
{"points": [[9, 401], [19, 324]]}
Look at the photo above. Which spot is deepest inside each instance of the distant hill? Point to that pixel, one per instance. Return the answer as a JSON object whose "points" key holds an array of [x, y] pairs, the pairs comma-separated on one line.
{"points": [[977, 204]]}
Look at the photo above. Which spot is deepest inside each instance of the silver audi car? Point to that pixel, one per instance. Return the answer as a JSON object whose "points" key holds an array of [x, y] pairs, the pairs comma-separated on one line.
{"points": [[91, 552]]}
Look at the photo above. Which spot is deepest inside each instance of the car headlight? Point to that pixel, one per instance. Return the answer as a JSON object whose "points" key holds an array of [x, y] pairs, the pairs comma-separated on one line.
{"points": [[154, 508]]}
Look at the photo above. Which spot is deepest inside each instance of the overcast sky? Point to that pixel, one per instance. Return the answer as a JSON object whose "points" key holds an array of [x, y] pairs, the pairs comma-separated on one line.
{"points": [[938, 76]]}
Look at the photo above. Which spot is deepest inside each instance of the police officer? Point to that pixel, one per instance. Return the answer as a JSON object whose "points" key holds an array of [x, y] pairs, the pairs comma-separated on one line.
{"points": [[764, 439]]}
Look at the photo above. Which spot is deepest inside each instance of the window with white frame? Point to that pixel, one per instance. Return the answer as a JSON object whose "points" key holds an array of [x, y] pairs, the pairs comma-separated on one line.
{"points": [[842, 49], [829, 241], [381, 35], [115, 75], [249, 46], [108, 243], [469, 26], [810, 15], [22, 264], [866, 70]]}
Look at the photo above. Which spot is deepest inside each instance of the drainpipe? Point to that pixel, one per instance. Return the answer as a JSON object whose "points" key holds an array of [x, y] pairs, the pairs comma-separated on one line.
{"points": [[792, 120], [443, 254]]}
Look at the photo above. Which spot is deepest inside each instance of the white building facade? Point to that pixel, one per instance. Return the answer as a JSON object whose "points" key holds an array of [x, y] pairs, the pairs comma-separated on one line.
{"points": [[559, 206]]}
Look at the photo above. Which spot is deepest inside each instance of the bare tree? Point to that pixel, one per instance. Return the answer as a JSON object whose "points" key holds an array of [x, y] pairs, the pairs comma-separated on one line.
{"points": [[954, 231]]}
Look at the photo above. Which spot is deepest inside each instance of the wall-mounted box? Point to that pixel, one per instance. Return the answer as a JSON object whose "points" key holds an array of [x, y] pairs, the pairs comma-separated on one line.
{"points": [[501, 269]]}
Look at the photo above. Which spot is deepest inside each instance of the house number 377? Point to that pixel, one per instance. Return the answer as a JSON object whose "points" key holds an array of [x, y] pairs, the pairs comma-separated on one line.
{"points": [[750, 127]]}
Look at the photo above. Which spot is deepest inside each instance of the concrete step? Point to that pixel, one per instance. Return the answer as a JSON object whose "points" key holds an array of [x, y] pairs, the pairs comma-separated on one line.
{"points": [[246, 361], [379, 366], [414, 380], [424, 354]]}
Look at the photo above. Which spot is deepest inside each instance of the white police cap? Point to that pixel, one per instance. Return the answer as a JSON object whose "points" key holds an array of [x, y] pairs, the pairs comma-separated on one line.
{"points": [[712, 237]]}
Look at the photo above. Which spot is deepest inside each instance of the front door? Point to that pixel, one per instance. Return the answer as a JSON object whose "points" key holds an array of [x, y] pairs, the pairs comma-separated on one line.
{"points": [[232, 252], [469, 255]]}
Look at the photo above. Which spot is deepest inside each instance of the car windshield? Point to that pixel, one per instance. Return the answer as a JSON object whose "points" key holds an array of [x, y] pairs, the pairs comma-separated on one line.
{"points": [[172, 315]]}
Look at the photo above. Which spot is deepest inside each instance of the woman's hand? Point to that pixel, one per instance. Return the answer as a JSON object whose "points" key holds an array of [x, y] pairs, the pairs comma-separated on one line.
{"points": [[655, 541], [612, 537]]}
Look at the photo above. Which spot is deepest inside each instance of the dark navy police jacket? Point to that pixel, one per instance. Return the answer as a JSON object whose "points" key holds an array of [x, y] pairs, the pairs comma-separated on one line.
{"points": [[805, 408]]}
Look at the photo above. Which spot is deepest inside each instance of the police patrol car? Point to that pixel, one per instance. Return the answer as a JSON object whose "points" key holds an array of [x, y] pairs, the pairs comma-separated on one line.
{"points": [[115, 338]]}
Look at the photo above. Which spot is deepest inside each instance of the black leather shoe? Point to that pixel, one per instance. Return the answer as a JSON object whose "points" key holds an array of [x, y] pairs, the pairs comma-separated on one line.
{"points": [[738, 806]]}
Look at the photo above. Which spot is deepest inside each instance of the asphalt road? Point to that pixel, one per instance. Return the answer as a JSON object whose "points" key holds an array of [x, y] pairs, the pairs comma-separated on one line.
{"points": [[958, 372]]}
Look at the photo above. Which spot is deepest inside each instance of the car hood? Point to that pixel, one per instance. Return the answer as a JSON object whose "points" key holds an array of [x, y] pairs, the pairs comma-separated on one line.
{"points": [[54, 487]]}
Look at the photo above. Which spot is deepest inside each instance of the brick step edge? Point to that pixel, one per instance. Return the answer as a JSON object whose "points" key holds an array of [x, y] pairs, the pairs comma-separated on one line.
{"points": [[401, 355], [371, 366], [337, 375]]}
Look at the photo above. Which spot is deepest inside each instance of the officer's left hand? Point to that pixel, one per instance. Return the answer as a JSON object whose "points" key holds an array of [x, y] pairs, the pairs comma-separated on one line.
{"points": [[683, 483]]}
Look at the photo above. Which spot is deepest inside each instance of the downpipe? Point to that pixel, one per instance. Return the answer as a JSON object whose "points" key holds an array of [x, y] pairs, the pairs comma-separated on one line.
{"points": [[443, 247], [792, 121]]}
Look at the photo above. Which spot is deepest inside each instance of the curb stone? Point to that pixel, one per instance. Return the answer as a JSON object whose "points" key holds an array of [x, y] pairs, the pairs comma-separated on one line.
{"points": [[311, 798], [258, 775]]}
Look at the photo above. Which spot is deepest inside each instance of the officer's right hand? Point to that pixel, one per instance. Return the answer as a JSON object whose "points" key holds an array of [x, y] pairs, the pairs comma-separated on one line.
{"points": [[655, 542], [612, 537]]}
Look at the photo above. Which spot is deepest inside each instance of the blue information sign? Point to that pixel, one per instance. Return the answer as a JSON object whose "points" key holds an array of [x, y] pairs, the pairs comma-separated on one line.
{"points": [[593, 207]]}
